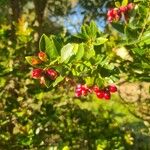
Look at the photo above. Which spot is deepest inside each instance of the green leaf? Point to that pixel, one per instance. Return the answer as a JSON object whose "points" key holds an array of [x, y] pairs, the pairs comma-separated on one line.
{"points": [[139, 51], [118, 27], [124, 2], [93, 29], [2, 82], [66, 52], [80, 52], [47, 44], [89, 31], [100, 41], [58, 80], [84, 32], [130, 33], [75, 48], [146, 37], [89, 52], [117, 4], [89, 81], [99, 82], [58, 41], [47, 82]]}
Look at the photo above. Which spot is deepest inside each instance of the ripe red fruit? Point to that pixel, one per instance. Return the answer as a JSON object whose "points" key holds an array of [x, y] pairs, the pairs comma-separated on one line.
{"points": [[79, 86], [130, 6], [37, 73], [78, 94], [79, 90], [84, 92], [123, 9], [52, 74], [112, 88], [100, 94], [107, 95], [96, 88], [42, 56], [110, 12], [113, 15]]}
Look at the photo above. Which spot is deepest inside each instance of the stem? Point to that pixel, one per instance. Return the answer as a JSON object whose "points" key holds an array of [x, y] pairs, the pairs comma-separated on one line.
{"points": [[145, 23]]}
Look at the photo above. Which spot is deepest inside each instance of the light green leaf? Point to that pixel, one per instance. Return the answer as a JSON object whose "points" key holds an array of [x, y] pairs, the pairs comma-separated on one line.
{"points": [[75, 48], [124, 2], [66, 148], [58, 80], [89, 52], [146, 37], [100, 40], [84, 32], [80, 52], [66, 52], [93, 29], [117, 4], [89, 81]]}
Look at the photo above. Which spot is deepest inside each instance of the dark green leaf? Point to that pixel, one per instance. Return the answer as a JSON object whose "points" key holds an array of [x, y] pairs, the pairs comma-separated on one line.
{"points": [[47, 44], [118, 27]]}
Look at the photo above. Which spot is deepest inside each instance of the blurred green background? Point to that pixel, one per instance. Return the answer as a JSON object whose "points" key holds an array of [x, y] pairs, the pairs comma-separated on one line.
{"points": [[33, 117]]}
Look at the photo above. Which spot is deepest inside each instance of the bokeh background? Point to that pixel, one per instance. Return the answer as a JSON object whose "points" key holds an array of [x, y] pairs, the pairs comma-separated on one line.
{"points": [[33, 117]]}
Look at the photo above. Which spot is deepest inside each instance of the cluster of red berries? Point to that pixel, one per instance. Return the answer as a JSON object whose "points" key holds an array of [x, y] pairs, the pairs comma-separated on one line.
{"points": [[82, 90], [40, 73], [104, 93], [116, 13]]}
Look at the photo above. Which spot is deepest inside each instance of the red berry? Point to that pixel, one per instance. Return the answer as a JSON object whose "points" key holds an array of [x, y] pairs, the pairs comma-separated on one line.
{"points": [[42, 56], [107, 95], [37, 73], [100, 94], [52, 74], [123, 9], [79, 90], [84, 92], [85, 87], [112, 88], [96, 88], [79, 86], [130, 6], [78, 94], [110, 12], [113, 15], [110, 19]]}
